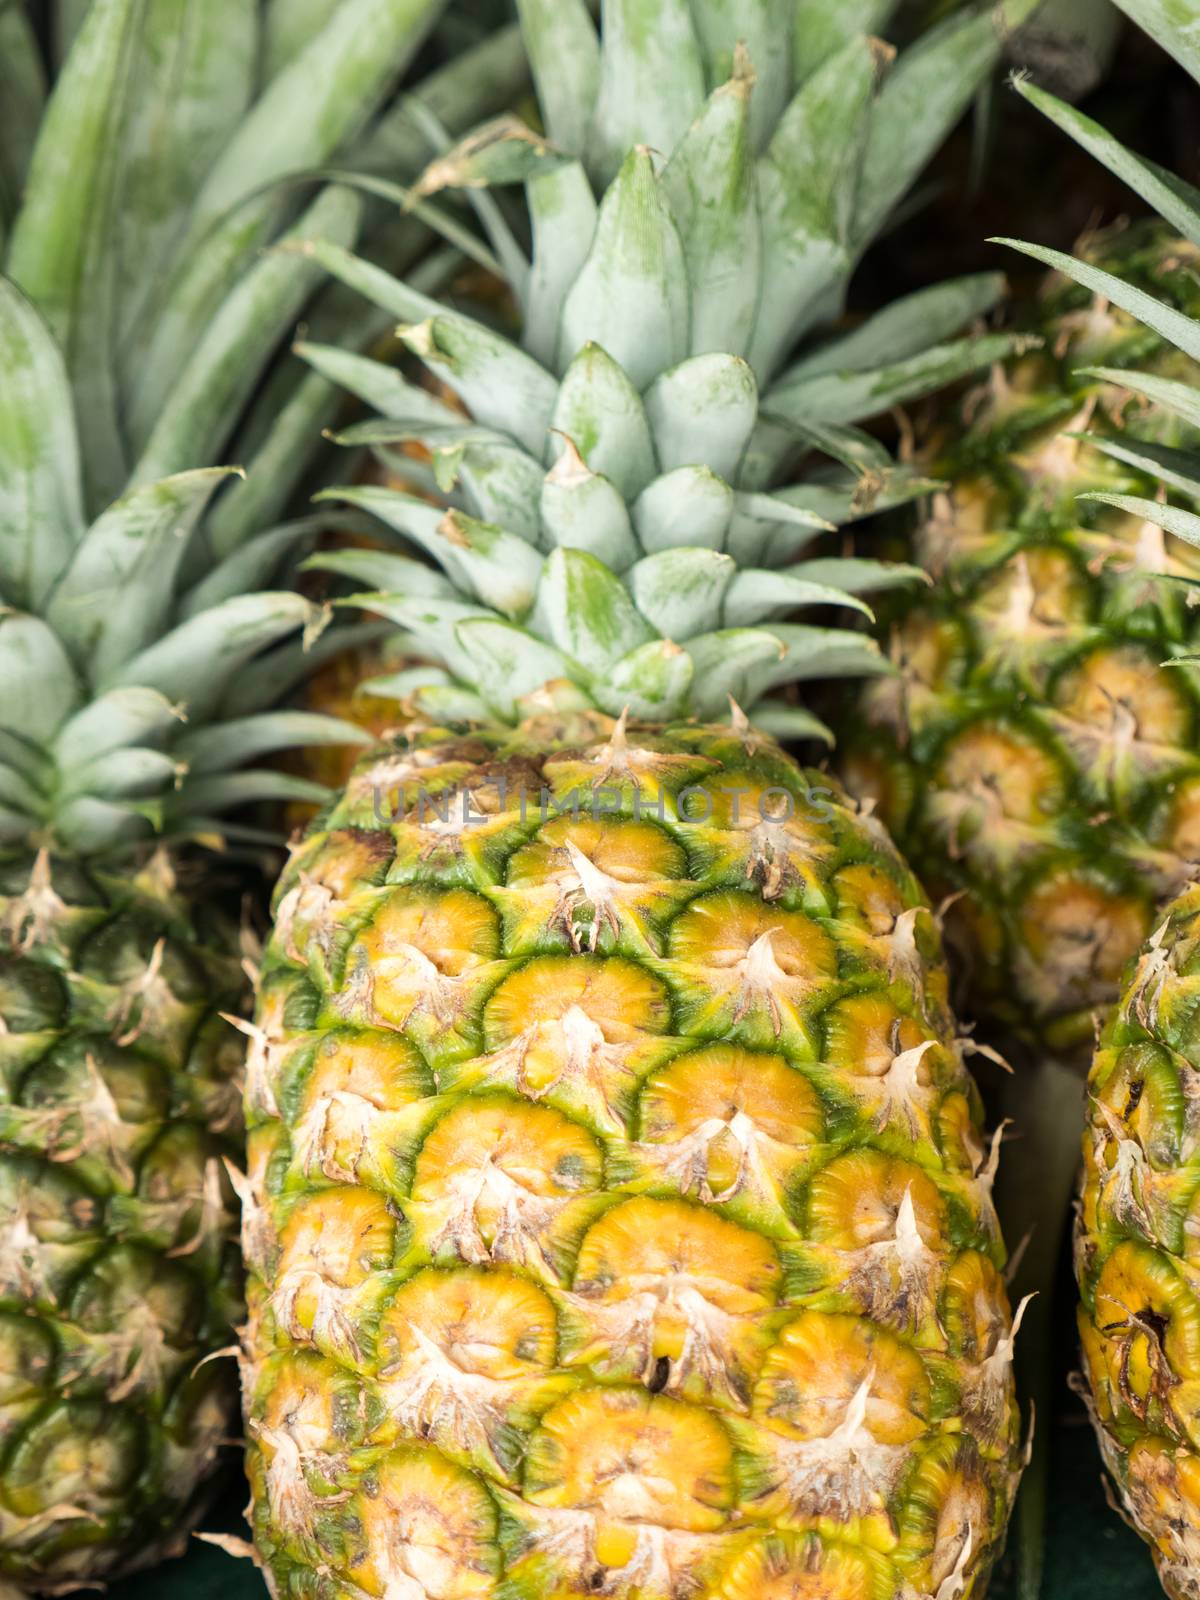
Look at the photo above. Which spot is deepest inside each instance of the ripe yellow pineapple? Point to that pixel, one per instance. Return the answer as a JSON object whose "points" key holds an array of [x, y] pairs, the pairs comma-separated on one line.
{"points": [[618, 1216]]}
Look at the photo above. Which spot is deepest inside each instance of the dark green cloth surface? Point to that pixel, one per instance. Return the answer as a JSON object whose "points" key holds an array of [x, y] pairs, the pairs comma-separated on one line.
{"points": [[1091, 1555]]}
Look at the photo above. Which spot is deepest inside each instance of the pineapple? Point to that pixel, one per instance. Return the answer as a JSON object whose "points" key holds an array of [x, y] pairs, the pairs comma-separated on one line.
{"points": [[617, 1218], [140, 654], [1035, 753], [1135, 1257]]}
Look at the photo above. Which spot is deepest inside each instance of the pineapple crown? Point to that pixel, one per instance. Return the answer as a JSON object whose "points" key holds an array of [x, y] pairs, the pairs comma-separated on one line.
{"points": [[140, 329], [607, 502], [1177, 30]]}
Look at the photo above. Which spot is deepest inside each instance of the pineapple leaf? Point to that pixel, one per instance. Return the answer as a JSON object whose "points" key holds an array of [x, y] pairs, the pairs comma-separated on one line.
{"points": [[249, 568], [824, 653], [835, 398], [690, 506], [504, 662], [40, 685], [1181, 398], [113, 721], [565, 54], [1174, 24], [807, 181], [289, 27], [1179, 468], [784, 721], [758, 595], [925, 94], [601, 412], [116, 596], [1165, 193], [820, 31], [563, 213], [903, 329], [1173, 519], [731, 662], [381, 386], [232, 744], [1178, 329], [195, 662], [630, 296], [586, 611], [582, 510], [703, 410], [22, 102], [757, 26], [651, 82], [383, 572], [200, 409], [499, 568], [682, 591], [711, 184], [41, 502], [652, 682], [500, 385]]}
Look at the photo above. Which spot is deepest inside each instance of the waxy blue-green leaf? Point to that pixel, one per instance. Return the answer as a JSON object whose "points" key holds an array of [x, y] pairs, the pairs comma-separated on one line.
{"points": [[807, 186], [195, 81], [711, 184], [383, 571], [113, 721], [757, 521], [233, 743], [124, 774], [500, 569], [289, 27], [251, 567], [500, 482], [820, 31], [61, 252], [41, 502], [1183, 399], [203, 403], [381, 386], [1180, 469], [681, 591], [824, 653], [194, 663], [562, 213], [651, 82], [22, 101], [115, 597], [702, 413], [926, 92], [731, 662], [582, 510], [761, 28], [1183, 524], [445, 703], [631, 295], [1174, 24], [690, 506], [1174, 326], [221, 792], [40, 685], [499, 384], [600, 411], [1164, 192], [17, 795], [906, 328], [758, 594], [432, 621], [784, 722], [651, 682], [505, 663], [859, 574], [835, 398], [586, 611], [565, 55]]}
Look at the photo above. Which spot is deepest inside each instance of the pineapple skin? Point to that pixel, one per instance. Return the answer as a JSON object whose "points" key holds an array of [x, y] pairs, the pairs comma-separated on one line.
{"points": [[618, 1220], [119, 1271], [1135, 1255], [1031, 756]]}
